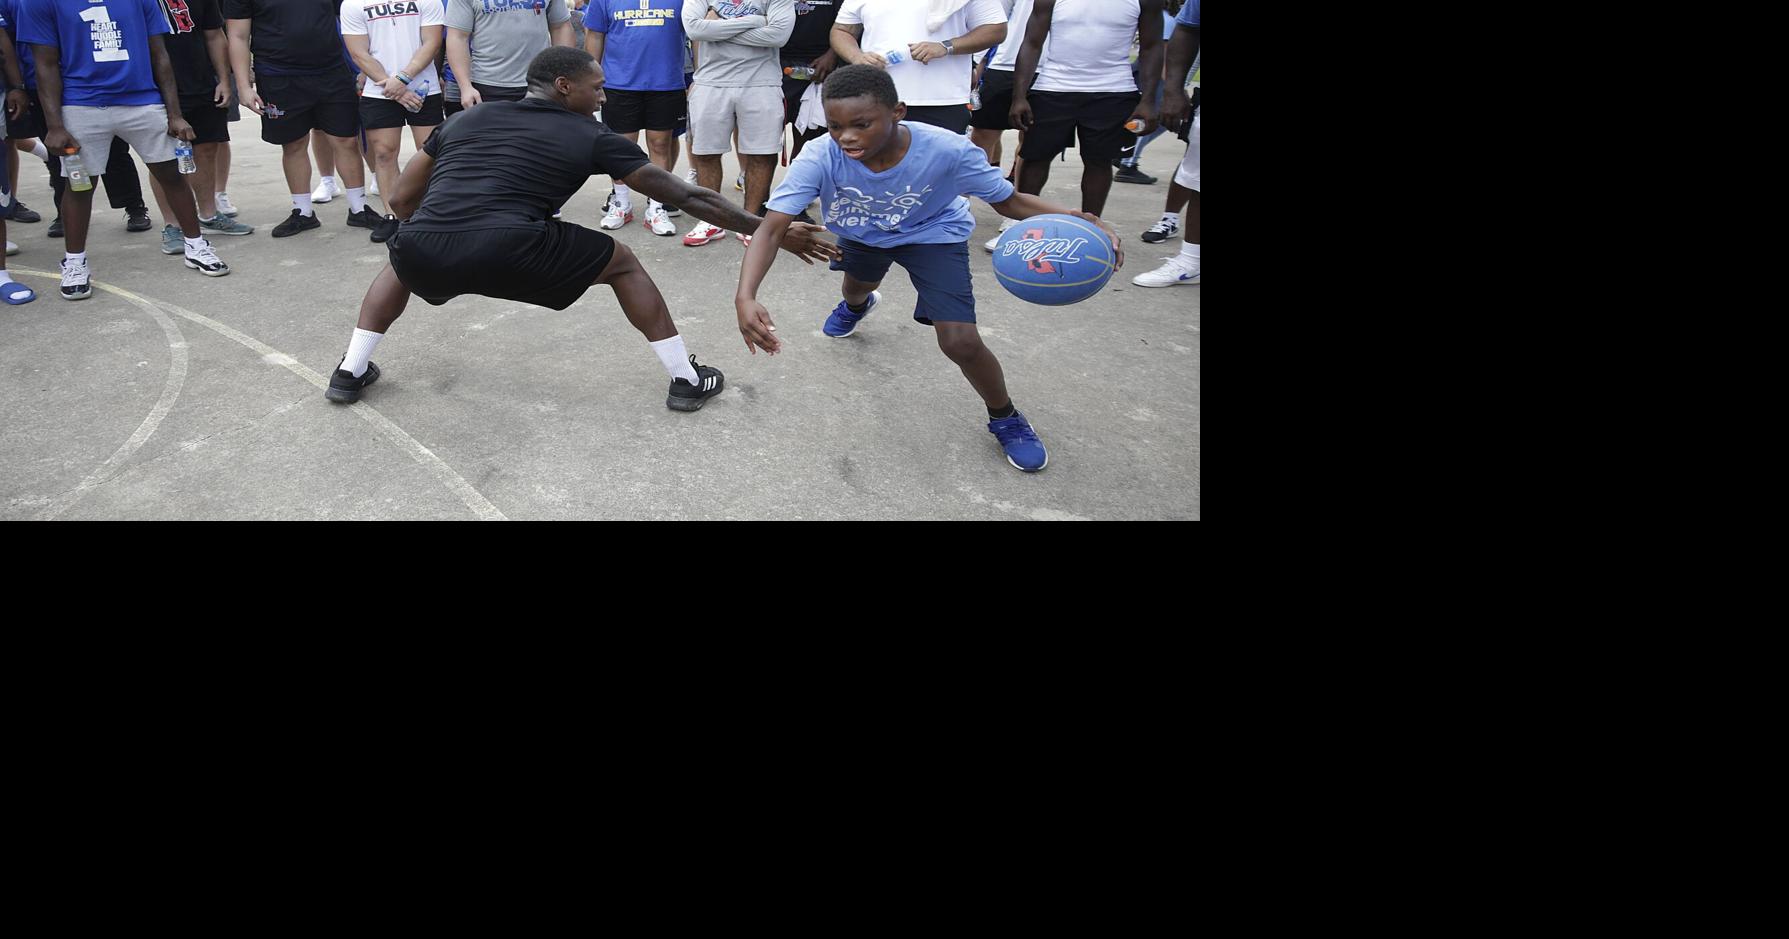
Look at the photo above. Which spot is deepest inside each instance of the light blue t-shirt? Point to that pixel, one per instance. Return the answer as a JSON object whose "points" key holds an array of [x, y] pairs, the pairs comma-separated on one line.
{"points": [[643, 48], [918, 201], [1189, 14], [104, 47]]}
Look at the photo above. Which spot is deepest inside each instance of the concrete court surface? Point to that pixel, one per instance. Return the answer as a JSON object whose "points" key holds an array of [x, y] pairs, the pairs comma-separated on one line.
{"points": [[169, 395]]}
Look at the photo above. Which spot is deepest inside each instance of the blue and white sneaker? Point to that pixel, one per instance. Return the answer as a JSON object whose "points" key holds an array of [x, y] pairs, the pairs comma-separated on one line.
{"points": [[843, 322], [1023, 450], [1176, 273]]}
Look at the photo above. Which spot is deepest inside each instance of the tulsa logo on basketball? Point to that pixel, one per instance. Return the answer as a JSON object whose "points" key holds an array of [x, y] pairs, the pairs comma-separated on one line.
{"points": [[1039, 251]]}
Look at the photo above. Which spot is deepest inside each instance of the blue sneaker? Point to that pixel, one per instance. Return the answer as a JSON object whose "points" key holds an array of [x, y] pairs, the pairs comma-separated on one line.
{"points": [[843, 322], [1023, 450]]}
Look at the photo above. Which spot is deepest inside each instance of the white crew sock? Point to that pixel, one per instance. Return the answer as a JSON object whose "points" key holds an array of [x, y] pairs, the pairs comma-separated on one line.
{"points": [[676, 361], [357, 199], [360, 351], [302, 202]]}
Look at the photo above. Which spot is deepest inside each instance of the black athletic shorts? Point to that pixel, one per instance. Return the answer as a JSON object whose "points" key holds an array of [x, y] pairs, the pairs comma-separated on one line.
{"points": [[951, 117], [628, 112], [294, 105], [210, 122], [550, 266], [996, 101], [30, 124], [1094, 118], [488, 93], [380, 113]]}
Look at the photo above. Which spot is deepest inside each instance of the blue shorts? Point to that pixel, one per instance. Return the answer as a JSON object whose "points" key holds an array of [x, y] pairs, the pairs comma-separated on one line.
{"points": [[939, 272]]}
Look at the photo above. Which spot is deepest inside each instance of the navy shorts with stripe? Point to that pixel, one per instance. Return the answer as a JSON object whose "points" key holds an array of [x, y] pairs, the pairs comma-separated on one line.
{"points": [[939, 272]]}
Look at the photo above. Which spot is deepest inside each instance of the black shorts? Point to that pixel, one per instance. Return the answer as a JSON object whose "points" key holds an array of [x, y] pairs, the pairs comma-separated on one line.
{"points": [[996, 101], [1094, 118], [210, 122], [793, 90], [380, 113], [488, 93], [551, 266], [628, 112], [951, 117], [294, 105], [30, 124]]}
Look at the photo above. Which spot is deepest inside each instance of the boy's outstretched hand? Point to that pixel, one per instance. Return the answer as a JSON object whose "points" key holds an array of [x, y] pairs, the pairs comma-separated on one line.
{"points": [[1117, 243], [756, 327], [802, 240]]}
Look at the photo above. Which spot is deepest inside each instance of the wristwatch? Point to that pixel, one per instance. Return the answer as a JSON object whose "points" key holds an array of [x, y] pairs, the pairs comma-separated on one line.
{"points": [[949, 48]]}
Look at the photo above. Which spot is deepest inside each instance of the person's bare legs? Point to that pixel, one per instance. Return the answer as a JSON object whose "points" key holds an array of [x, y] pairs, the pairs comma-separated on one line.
{"points": [[297, 165], [708, 170], [384, 302], [179, 197], [325, 154], [989, 142], [638, 295], [204, 182], [348, 161], [1096, 185], [223, 167], [759, 168], [661, 146], [961, 343], [382, 145]]}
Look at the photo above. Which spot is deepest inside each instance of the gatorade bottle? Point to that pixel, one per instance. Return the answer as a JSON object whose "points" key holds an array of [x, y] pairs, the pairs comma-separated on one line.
{"points": [[78, 180], [799, 73]]}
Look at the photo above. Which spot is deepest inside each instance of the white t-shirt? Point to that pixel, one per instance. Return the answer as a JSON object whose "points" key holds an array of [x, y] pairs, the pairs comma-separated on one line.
{"points": [[1089, 48], [394, 32], [895, 24], [1006, 58]]}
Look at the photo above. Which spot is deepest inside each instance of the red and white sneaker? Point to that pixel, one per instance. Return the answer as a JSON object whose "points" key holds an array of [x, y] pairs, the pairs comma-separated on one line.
{"points": [[703, 233], [619, 215], [745, 239]]}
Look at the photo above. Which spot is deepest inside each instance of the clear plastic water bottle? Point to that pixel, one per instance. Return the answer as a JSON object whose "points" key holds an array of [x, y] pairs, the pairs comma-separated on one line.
{"points": [[799, 73], [78, 180], [183, 157], [975, 99], [894, 56], [422, 89]]}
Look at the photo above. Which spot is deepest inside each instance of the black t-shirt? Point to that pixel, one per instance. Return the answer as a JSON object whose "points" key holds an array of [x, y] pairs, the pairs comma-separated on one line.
{"points": [[187, 22], [812, 36], [512, 164], [291, 37]]}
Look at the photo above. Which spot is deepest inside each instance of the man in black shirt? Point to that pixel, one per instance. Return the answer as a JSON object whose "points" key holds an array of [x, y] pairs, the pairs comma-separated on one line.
{"points": [[809, 47], [300, 81], [476, 204], [200, 57]]}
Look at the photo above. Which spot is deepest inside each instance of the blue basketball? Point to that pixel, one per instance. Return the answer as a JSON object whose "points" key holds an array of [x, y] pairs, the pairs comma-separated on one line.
{"points": [[1054, 259]]}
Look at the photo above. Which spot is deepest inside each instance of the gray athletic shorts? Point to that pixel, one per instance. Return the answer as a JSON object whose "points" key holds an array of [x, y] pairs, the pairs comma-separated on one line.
{"points": [[143, 126], [756, 112]]}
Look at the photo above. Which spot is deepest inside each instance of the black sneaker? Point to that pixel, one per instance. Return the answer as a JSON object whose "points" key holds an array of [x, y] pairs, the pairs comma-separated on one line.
{"points": [[296, 223], [365, 218], [388, 226], [688, 397], [55, 228], [1162, 231], [672, 210], [345, 388], [137, 220], [19, 213], [204, 260], [1130, 174]]}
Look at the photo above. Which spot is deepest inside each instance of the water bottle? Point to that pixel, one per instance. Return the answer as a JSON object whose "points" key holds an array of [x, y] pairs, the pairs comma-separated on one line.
{"points": [[78, 180], [975, 99], [799, 73], [183, 157], [422, 89], [895, 56], [1134, 125]]}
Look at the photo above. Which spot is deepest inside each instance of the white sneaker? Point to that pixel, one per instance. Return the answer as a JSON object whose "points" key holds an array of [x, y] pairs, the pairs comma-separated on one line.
{"points": [[691, 176], [224, 207], [372, 186], [11, 249], [620, 213], [1176, 273], [994, 242], [75, 284], [204, 260], [703, 233], [658, 221], [327, 191]]}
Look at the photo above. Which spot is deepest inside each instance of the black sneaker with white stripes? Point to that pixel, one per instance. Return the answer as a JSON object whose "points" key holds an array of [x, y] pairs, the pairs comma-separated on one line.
{"points": [[204, 260], [1162, 231], [687, 397], [345, 388]]}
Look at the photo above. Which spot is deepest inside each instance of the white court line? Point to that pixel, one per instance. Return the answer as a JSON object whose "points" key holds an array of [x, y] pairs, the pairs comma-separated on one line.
{"points": [[177, 362], [392, 433]]}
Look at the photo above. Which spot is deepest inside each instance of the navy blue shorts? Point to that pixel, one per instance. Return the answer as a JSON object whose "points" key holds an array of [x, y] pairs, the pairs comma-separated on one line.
{"points": [[939, 272]]}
